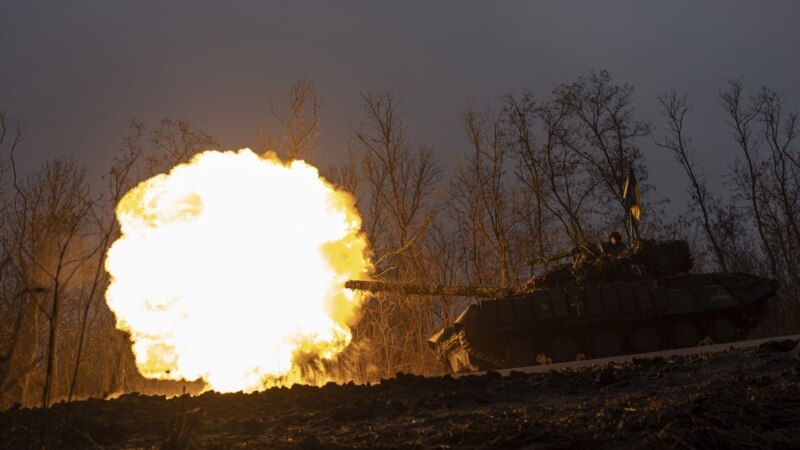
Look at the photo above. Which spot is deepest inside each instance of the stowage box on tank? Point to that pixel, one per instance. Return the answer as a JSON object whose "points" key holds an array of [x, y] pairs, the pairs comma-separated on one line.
{"points": [[641, 301]]}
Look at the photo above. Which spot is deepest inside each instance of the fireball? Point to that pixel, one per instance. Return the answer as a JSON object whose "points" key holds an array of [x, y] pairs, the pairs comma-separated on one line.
{"points": [[231, 264]]}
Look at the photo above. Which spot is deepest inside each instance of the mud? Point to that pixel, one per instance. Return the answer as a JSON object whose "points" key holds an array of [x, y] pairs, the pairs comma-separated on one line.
{"points": [[739, 398]]}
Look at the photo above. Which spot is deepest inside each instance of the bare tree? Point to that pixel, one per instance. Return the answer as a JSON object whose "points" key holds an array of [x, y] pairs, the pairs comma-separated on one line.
{"points": [[766, 177], [608, 132], [739, 119], [174, 142], [398, 183], [569, 184], [520, 118], [48, 235], [482, 205], [297, 120], [400, 180], [18, 306], [674, 109], [551, 169], [445, 267], [347, 175], [779, 128]]}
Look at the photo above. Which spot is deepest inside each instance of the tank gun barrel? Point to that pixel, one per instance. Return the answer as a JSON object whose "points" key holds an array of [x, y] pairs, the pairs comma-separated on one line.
{"points": [[427, 289]]}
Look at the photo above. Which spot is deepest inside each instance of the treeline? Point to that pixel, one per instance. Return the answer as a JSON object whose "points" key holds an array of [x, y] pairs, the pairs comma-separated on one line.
{"points": [[533, 176]]}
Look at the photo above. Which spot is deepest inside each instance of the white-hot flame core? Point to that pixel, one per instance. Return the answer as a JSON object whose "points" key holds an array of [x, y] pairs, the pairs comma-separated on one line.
{"points": [[230, 264]]}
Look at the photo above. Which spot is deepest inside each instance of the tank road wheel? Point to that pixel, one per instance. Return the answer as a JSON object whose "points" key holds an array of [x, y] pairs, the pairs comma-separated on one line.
{"points": [[722, 330], [563, 349], [606, 343], [645, 340], [685, 334]]}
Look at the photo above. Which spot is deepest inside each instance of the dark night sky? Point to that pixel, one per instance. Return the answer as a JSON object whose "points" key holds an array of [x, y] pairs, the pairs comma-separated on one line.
{"points": [[74, 72]]}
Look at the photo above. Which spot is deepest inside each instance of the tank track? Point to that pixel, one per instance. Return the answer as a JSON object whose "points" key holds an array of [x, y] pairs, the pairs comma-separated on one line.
{"points": [[485, 361]]}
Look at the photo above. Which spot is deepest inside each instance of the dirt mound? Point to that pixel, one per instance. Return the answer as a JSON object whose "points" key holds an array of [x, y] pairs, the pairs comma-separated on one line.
{"points": [[739, 398]]}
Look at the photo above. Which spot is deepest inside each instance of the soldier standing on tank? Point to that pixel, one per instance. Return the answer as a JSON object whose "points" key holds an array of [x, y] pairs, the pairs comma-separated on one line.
{"points": [[614, 246]]}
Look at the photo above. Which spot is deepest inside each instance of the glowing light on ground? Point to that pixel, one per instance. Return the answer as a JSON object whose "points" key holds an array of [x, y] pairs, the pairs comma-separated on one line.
{"points": [[230, 264]]}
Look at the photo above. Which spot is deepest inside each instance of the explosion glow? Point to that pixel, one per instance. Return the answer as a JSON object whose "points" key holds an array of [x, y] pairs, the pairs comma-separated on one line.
{"points": [[232, 263]]}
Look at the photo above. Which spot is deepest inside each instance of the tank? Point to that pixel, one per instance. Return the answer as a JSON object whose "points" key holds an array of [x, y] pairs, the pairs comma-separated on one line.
{"points": [[641, 300]]}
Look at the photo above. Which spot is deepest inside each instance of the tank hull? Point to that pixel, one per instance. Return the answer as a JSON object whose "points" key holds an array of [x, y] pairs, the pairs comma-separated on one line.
{"points": [[602, 319]]}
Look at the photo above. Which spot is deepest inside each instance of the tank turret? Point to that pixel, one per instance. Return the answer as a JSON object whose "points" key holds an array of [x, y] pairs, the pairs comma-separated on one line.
{"points": [[646, 258]]}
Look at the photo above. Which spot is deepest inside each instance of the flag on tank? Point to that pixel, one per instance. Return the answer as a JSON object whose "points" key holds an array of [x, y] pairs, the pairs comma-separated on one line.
{"points": [[630, 196]]}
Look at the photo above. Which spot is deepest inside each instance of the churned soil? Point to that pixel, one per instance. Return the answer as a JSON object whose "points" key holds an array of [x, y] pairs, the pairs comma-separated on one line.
{"points": [[738, 398]]}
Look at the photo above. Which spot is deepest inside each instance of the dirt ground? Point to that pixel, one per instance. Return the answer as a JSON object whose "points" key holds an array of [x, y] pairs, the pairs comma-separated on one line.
{"points": [[739, 398]]}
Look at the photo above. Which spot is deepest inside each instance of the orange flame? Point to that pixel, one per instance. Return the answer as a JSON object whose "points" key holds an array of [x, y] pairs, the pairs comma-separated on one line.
{"points": [[229, 264]]}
